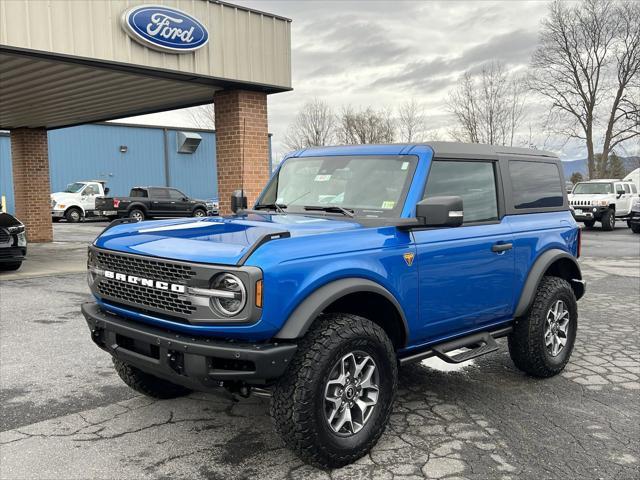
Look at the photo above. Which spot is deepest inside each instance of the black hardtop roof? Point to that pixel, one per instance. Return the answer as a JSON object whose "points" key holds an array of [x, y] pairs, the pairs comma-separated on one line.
{"points": [[451, 149]]}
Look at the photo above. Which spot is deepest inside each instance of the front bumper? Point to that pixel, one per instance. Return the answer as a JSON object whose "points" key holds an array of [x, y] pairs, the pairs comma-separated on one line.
{"points": [[589, 213], [12, 254], [195, 362], [57, 213]]}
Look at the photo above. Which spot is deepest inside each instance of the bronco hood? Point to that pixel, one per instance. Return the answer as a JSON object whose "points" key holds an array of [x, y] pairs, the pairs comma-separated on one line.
{"points": [[217, 240]]}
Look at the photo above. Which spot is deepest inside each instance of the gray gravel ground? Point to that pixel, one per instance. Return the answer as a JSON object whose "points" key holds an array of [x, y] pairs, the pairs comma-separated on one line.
{"points": [[65, 414]]}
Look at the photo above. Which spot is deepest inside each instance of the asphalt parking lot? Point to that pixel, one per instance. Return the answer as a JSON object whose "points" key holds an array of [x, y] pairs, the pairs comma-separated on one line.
{"points": [[66, 414]]}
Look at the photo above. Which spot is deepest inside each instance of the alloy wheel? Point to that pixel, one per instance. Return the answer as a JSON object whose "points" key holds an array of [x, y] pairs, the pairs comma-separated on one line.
{"points": [[556, 328], [351, 393]]}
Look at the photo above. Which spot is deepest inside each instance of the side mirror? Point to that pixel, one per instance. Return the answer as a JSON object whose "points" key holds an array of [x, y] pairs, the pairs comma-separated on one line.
{"points": [[107, 190], [620, 193], [238, 201], [440, 212]]}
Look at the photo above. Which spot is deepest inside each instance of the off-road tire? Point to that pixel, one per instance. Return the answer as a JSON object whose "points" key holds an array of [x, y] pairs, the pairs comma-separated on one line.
{"points": [[199, 212], [73, 215], [137, 213], [635, 227], [526, 341], [589, 223], [148, 384], [297, 405], [10, 266], [608, 220]]}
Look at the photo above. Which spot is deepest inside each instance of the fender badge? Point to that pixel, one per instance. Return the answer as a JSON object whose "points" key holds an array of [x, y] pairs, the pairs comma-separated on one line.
{"points": [[408, 258]]}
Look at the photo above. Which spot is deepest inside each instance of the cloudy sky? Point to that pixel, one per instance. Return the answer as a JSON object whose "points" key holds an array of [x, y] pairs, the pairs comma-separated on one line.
{"points": [[382, 53]]}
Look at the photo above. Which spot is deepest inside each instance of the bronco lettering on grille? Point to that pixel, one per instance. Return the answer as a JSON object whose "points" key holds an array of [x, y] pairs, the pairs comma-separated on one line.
{"points": [[145, 282]]}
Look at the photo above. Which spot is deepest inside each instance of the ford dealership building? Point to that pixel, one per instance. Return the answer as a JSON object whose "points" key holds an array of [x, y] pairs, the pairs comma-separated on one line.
{"points": [[68, 63]]}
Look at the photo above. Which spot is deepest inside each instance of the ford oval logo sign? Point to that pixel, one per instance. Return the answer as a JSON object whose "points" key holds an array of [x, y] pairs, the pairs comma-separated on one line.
{"points": [[165, 29]]}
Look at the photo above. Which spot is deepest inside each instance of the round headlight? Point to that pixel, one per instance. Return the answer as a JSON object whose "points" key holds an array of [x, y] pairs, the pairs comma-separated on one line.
{"points": [[233, 295]]}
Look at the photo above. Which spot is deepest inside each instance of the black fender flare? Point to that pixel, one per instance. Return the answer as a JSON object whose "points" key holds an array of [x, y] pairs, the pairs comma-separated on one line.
{"points": [[539, 268], [306, 312], [139, 206]]}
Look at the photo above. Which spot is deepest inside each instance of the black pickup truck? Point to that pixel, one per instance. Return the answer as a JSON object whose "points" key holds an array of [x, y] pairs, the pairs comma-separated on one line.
{"points": [[149, 202]]}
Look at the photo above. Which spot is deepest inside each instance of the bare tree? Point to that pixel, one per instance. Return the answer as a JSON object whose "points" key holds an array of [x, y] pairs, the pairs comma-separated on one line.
{"points": [[489, 108], [313, 126], [365, 126], [203, 116], [411, 122], [573, 69]]}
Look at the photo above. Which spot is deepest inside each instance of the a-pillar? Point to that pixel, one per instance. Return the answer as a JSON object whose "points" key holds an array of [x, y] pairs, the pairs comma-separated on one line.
{"points": [[241, 117], [31, 187]]}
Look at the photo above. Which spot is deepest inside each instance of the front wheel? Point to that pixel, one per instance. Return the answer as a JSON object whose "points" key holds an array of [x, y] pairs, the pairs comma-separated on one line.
{"points": [[589, 223], [333, 403], [199, 212], [73, 215], [608, 220], [148, 384], [541, 343], [10, 266]]}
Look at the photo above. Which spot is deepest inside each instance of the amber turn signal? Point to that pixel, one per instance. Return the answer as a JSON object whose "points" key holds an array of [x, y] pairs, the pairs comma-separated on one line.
{"points": [[259, 294]]}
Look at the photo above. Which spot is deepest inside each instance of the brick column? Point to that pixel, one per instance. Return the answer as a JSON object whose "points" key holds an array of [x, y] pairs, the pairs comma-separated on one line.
{"points": [[30, 158], [236, 110]]}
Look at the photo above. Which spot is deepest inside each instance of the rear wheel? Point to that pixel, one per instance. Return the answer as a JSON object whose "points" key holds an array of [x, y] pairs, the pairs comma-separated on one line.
{"points": [[136, 214], [334, 402], [635, 227], [199, 212], [73, 215], [589, 223], [148, 384], [608, 220], [541, 343], [10, 266]]}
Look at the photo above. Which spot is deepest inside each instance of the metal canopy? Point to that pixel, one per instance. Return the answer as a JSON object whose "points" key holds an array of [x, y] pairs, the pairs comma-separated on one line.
{"points": [[55, 92]]}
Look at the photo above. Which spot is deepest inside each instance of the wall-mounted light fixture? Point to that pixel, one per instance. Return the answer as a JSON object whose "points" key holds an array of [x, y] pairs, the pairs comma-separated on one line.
{"points": [[123, 149]]}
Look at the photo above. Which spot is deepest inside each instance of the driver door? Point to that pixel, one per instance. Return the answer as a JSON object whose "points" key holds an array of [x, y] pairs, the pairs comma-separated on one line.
{"points": [[466, 273]]}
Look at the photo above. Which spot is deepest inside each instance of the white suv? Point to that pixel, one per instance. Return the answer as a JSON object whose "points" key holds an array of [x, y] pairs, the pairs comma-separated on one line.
{"points": [[602, 201]]}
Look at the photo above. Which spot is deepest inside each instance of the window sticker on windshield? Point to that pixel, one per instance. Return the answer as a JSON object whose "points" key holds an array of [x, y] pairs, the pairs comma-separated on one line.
{"points": [[404, 166], [322, 178], [388, 204]]}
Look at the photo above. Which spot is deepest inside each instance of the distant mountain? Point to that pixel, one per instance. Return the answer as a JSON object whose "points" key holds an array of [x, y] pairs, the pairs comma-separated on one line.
{"points": [[572, 166]]}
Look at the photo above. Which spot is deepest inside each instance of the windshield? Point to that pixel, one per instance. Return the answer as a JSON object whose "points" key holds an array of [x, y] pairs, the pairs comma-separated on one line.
{"points": [[592, 188], [74, 187], [373, 186]]}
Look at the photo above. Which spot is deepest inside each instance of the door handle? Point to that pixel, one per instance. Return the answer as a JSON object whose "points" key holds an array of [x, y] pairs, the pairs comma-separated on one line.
{"points": [[501, 247]]}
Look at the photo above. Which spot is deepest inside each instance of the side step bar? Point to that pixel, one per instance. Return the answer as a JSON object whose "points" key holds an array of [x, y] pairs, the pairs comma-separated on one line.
{"points": [[477, 343]]}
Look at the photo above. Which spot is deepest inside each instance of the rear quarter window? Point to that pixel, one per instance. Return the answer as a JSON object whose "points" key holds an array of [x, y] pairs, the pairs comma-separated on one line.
{"points": [[535, 185]]}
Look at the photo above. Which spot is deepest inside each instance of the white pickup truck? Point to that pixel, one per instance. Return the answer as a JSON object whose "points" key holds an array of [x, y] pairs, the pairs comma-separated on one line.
{"points": [[603, 201], [77, 201]]}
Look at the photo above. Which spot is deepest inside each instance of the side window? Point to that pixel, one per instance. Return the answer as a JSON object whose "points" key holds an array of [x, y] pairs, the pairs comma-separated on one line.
{"points": [[91, 190], [159, 193], [633, 188], [475, 182], [535, 184], [627, 188], [176, 194]]}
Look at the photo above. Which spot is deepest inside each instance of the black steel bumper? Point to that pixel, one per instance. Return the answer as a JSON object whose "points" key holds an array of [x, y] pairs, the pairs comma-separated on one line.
{"points": [[198, 363], [587, 213], [13, 254]]}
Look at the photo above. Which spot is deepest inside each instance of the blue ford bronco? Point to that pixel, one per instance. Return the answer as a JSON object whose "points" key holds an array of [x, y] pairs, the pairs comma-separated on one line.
{"points": [[353, 262]]}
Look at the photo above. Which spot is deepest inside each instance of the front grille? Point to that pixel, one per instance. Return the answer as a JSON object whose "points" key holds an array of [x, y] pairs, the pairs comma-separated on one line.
{"points": [[4, 236], [145, 296], [580, 203], [145, 267]]}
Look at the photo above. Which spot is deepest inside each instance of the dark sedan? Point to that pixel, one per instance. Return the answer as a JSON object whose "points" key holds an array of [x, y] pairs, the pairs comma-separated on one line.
{"points": [[13, 242]]}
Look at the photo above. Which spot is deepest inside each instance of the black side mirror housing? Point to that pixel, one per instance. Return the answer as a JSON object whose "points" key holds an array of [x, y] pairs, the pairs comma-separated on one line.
{"points": [[238, 201], [107, 190], [620, 193], [440, 212]]}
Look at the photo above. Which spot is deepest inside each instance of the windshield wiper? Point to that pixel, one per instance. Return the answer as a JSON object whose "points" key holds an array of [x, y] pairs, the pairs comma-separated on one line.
{"points": [[331, 208], [279, 207]]}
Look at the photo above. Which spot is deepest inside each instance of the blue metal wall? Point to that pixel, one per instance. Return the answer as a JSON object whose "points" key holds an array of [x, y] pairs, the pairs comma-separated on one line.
{"points": [[92, 152], [6, 176]]}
